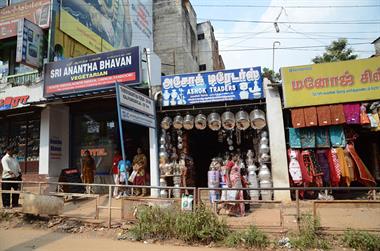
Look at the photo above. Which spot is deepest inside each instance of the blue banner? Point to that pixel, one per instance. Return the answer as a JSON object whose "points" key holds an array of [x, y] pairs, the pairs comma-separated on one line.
{"points": [[208, 87]]}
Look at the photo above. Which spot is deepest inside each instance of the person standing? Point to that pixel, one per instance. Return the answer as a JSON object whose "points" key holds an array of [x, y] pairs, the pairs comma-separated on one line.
{"points": [[123, 168], [139, 165], [115, 170], [88, 170], [11, 172]]}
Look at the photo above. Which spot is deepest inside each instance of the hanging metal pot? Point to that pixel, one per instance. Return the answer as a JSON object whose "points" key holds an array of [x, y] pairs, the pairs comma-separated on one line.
{"points": [[242, 120], [264, 172], [200, 121], [264, 141], [188, 122], [258, 120], [264, 134], [214, 122], [228, 120], [166, 123], [178, 122], [264, 157], [264, 148]]}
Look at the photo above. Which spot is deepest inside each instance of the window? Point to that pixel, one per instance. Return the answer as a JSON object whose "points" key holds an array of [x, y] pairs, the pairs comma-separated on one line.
{"points": [[3, 3], [8, 64], [202, 67], [201, 36]]}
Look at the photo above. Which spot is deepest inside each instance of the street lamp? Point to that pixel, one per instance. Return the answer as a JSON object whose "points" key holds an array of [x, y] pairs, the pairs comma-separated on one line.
{"points": [[274, 44]]}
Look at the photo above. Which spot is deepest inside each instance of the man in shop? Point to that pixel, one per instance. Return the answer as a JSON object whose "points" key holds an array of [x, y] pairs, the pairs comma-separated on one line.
{"points": [[11, 172], [115, 170]]}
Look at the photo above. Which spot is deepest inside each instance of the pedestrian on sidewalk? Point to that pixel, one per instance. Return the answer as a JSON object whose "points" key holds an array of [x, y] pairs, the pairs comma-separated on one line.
{"points": [[123, 167], [115, 170], [11, 172], [88, 170]]}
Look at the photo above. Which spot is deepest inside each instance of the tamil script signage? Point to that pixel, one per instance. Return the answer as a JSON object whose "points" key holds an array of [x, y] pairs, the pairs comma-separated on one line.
{"points": [[98, 71], [136, 100], [217, 86], [37, 11], [329, 83]]}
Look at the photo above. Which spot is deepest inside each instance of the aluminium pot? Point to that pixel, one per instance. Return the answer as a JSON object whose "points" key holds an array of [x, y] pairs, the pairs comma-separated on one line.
{"points": [[188, 122], [258, 120], [242, 120], [228, 120], [200, 121], [214, 121], [166, 122], [178, 122]]}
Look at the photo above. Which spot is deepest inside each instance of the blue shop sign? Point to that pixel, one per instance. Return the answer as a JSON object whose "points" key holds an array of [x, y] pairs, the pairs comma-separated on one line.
{"points": [[216, 86]]}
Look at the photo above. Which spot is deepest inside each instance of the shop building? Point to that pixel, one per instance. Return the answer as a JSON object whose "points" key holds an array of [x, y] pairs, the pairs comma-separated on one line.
{"points": [[206, 116], [332, 125]]}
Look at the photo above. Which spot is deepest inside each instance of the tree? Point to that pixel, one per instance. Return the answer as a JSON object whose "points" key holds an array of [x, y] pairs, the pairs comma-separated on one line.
{"points": [[271, 75], [336, 51]]}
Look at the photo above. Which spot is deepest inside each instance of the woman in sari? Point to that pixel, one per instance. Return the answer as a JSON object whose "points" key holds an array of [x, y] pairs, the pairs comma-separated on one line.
{"points": [[234, 180], [88, 170]]}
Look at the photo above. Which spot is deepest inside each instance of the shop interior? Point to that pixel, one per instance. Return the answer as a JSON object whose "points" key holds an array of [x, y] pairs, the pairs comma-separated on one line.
{"points": [[205, 135]]}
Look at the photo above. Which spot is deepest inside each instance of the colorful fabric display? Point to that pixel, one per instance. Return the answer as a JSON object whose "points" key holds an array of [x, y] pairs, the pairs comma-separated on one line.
{"points": [[376, 120], [307, 138], [350, 165], [311, 118], [307, 168], [298, 117], [337, 137], [344, 169], [364, 120], [294, 138], [334, 167], [322, 137], [324, 115], [337, 114], [294, 166], [318, 173], [352, 113], [365, 177], [321, 156]]}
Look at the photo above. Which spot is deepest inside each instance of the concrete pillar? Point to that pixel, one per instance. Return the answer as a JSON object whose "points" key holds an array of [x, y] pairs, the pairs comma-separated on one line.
{"points": [[154, 170], [54, 141], [277, 141]]}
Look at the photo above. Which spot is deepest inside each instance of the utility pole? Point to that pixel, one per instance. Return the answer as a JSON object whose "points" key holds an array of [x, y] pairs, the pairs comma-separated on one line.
{"points": [[274, 44]]}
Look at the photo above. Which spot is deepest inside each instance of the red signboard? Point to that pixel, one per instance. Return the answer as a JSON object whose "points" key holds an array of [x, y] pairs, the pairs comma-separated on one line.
{"points": [[13, 102], [36, 11]]}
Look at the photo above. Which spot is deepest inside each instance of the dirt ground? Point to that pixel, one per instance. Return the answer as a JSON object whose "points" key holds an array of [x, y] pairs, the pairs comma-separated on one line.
{"points": [[43, 240]]}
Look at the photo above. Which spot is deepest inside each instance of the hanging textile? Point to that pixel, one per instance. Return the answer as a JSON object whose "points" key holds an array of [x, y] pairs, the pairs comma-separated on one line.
{"points": [[294, 138], [321, 156], [306, 166], [337, 114], [364, 119], [365, 177], [334, 166], [344, 169], [324, 115], [298, 117], [311, 118], [294, 166], [307, 138], [350, 165], [352, 113], [318, 173], [376, 118], [322, 137], [337, 137]]}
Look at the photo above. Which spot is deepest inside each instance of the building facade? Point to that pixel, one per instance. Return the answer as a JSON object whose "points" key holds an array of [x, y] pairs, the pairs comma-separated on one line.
{"points": [[209, 58]]}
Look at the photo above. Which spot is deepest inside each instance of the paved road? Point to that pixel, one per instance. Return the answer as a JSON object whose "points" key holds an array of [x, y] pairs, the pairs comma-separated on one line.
{"points": [[38, 240]]}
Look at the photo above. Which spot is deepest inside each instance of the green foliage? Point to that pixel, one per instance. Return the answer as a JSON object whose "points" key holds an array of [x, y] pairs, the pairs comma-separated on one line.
{"points": [[250, 238], [361, 240], [153, 223], [200, 226], [271, 75], [308, 236], [337, 51]]}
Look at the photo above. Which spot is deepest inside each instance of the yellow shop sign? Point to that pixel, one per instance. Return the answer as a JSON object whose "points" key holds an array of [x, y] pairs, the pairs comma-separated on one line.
{"points": [[330, 83]]}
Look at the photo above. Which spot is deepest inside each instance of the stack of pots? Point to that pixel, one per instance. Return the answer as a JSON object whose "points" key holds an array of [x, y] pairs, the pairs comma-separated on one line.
{"points": [[177, 184], [163, 192], [252, 177], [264, 172]]}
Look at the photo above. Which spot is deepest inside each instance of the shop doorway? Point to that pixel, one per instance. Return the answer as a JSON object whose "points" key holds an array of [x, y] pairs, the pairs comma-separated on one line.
{"points": [[203, 146]]}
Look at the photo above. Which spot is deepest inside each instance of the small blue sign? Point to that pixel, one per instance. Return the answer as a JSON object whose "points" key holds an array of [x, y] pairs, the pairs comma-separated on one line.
{"points": [[208, 87], [5, 107]]}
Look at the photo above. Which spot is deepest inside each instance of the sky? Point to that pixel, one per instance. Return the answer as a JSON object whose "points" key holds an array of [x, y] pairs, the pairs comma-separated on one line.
{"points": [[238, 42]]}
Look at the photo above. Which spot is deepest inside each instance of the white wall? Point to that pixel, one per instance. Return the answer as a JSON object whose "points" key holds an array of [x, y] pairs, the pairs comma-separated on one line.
{"points": [[55, 125], [277, 141]]}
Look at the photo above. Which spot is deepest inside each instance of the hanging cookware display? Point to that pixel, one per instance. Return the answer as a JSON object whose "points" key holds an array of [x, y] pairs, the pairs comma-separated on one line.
{"points": [[264, 157], [178, 122], [258, 120], [200, 121], [264, 172], [166, 122], [228, 120], [242, 120], [188, 121], [214, 122]]}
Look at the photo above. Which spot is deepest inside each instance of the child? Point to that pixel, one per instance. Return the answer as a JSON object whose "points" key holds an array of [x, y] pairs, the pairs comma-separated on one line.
{"points": [[123, 168]]}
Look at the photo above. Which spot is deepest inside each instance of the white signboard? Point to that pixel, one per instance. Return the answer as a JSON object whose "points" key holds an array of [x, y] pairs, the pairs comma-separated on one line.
{"points": [[137, 118], [136, 100]]}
